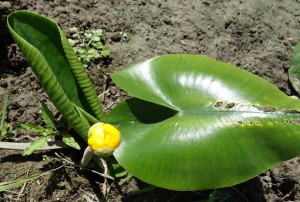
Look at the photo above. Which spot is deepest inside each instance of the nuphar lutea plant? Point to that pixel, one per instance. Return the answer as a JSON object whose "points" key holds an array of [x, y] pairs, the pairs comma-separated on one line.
{"points": [[193, 122]]}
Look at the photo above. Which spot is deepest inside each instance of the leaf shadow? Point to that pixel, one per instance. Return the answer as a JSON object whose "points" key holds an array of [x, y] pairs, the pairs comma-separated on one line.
{"points": [[148, 112]]}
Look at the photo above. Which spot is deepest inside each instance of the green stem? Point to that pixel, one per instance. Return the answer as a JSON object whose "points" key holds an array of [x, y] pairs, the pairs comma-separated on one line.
{"points": [[110, 167]]}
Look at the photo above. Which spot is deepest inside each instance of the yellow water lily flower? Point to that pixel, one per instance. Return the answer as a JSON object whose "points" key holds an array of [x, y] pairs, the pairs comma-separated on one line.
{"points": [[104, 139]]}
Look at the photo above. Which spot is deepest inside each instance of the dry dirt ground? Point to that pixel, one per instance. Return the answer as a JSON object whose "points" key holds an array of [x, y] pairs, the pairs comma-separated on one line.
{"points": [[256, 35]]}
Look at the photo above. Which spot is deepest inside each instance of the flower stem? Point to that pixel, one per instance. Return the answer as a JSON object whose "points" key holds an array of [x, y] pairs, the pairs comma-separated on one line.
{"points": [[87, 157]]}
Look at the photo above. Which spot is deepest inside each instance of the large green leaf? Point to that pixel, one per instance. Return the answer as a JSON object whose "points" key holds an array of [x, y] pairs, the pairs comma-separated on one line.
{"points": [[197, 123], [294, 71], [56, 65]]}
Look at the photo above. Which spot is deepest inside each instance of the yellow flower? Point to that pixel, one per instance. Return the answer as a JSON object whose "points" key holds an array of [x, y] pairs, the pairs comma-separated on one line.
{"points": [[104, 139]]}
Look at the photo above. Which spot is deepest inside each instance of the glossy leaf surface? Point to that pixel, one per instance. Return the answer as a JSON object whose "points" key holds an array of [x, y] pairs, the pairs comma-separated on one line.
{"points": [[56, 65], [197, 123]]}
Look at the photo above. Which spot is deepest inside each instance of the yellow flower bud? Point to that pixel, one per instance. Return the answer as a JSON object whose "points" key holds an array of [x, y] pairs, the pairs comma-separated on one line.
{"points": [[104, 139]]}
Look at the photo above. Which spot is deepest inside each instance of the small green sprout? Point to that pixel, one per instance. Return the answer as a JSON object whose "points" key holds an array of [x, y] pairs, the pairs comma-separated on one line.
{"points": [[47, 131], [4, 126], [88, 45]]}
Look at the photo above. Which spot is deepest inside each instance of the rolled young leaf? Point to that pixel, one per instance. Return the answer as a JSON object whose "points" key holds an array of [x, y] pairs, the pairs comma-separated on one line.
{"points": [[57, 67], [197, 123]]}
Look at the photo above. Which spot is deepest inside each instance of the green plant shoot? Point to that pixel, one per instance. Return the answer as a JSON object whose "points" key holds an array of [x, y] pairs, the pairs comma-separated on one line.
{"points": [[46, 132], [88, 45], [57, 67]]}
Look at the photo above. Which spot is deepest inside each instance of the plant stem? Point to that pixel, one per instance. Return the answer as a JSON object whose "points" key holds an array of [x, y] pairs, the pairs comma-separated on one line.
{"points": [[110, 167], [87, 157]]}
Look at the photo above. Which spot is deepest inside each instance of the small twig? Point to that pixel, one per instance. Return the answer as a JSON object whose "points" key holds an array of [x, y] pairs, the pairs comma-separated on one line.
{"points": [[90, 41], [21, 191], [105, 186], [24, 185], [104, 165], [102, 95], [287, 195]]}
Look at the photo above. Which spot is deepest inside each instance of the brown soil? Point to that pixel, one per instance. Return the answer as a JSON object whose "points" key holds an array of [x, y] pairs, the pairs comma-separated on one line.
{"points": [[256, 35]]}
